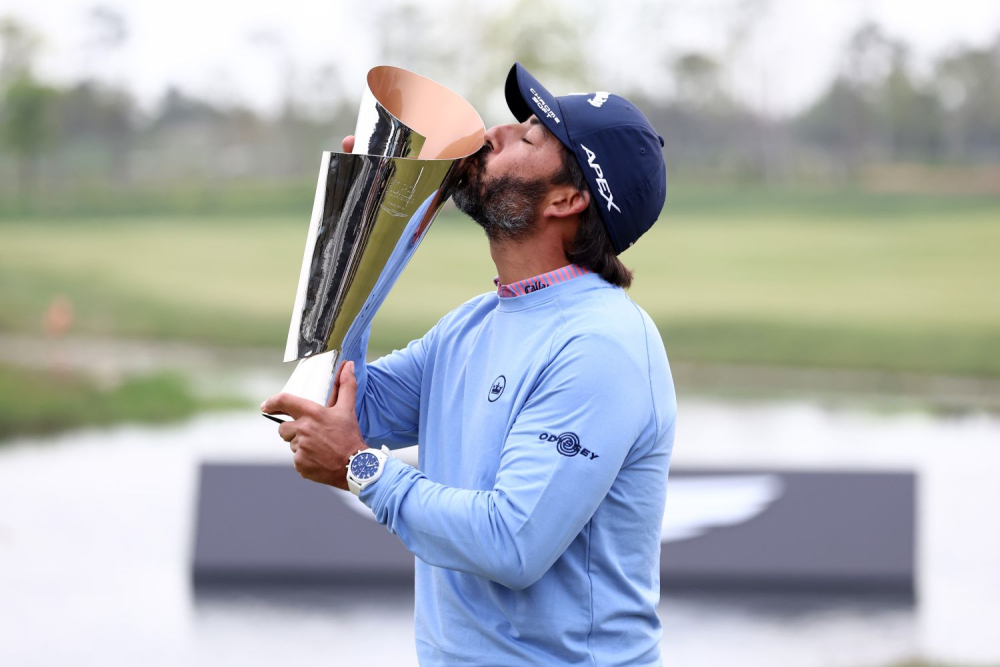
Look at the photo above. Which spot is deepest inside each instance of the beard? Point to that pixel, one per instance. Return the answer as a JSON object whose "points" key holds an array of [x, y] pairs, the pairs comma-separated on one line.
{"points": [[504, 206]]}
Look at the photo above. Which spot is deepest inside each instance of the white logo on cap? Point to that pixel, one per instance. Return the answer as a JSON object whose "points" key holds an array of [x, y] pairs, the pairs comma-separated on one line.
{"points": [[543, 106], [598, 99], [602, 184]]}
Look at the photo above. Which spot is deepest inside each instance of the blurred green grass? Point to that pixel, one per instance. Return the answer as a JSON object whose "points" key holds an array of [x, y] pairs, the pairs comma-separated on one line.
{"points": [[248, 198], [35, 401], [893, 283]]}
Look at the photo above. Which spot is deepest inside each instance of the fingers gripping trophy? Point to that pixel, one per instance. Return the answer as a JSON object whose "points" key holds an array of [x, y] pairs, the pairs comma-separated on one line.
{"points": [[373, 206]]}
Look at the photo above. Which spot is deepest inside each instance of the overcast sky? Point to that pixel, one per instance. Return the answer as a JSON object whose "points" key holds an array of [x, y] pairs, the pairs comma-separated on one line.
{"points": [[204, 46]]}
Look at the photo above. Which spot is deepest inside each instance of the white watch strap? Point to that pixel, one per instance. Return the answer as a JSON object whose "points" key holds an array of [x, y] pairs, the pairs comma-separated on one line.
{"points": [[356, 486]]}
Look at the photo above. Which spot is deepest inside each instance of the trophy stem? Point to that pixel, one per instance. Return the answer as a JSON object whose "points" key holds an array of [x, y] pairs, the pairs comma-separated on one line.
{"points": [[313, 377]]}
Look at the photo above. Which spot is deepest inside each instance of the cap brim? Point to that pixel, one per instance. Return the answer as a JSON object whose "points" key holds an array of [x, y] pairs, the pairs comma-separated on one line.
{"points": [[523, 93]]}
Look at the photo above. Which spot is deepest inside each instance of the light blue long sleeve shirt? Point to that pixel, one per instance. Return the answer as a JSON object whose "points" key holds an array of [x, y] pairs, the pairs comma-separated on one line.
{"points": [[545, 423]]}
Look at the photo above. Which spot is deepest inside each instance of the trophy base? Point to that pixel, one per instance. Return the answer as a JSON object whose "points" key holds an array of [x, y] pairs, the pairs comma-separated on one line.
{"points": [[313, 377]]}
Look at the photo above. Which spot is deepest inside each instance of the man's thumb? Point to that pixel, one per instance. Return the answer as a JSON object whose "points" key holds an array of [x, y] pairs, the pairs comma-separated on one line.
{"points": [[348, 394]]}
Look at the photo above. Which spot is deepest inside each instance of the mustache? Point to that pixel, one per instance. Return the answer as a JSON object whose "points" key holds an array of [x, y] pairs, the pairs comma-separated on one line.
{"points": [[473, 164]]}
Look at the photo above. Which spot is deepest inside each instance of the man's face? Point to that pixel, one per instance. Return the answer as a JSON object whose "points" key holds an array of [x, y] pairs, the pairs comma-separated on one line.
{"points": [[505, 183]]}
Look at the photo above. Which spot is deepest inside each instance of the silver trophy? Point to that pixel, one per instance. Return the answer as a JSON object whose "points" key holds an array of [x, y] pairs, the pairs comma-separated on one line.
{"points": [[372, 209]]}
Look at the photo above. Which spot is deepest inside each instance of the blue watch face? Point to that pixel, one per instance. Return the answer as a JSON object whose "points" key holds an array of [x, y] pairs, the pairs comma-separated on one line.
{"points": [[364, 466]]}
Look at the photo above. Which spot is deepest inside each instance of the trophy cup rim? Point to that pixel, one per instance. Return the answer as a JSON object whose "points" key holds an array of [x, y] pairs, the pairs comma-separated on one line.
{"points": [[441, 112]]}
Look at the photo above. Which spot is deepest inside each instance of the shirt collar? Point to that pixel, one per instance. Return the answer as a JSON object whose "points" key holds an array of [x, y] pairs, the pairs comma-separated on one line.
{"points": [[528, 285]]}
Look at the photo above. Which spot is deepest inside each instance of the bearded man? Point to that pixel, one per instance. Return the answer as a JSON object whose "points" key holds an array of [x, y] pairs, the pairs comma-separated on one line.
{"points": [[544, 409]]}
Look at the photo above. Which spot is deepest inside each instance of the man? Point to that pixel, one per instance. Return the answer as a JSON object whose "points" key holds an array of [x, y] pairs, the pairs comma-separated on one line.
{"points": [[544, 410]]}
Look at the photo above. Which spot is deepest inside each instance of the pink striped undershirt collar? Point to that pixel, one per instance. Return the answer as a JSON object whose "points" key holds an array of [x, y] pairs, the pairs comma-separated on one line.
{"points": [[528, 285]]}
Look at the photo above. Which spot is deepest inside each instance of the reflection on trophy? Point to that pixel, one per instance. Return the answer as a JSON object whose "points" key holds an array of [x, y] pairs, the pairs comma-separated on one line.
{"points": [[372, 208]]}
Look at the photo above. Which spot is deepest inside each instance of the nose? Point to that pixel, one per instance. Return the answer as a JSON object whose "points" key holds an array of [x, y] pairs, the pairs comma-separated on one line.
{"points": [[492, 137], [498, 135]]}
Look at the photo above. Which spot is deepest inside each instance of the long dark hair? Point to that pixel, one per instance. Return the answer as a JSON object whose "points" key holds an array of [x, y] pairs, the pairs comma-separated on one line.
{"points": [[591, 247]]}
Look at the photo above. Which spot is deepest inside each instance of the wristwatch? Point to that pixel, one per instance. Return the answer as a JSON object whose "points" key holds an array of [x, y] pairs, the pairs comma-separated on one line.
{"points": [[365, 467]]}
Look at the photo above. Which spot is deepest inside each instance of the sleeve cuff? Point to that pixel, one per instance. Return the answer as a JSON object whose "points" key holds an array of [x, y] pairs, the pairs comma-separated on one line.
{"points": [[374, 495]]}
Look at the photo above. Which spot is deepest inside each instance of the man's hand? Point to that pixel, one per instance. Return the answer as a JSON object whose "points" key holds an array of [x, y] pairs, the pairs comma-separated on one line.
{"points": [[322, 439]]}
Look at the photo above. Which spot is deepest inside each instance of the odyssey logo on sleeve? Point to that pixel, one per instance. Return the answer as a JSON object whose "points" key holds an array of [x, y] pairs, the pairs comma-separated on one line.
{"points": [[568, 444]]}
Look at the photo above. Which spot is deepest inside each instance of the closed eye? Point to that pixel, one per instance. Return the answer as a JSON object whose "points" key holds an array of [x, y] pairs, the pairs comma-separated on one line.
{"points": [[526, 141]]}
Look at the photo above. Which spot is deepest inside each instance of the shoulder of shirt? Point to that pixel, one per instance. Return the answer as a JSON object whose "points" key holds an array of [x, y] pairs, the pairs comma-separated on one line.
{"points": [[601, 311], [608, 328], [461, 312], [485, 299], [606, 318]]}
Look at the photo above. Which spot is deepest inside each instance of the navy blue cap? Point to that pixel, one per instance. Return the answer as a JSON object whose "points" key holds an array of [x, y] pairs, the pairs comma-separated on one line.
{"points": [[616, 146]]}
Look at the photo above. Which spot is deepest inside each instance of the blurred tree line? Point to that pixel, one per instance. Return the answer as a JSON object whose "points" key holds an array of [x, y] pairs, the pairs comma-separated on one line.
{"points": [[90, 145]]}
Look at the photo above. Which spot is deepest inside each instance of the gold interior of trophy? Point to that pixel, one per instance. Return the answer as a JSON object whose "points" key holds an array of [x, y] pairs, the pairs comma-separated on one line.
{"points": [[451, 125]]}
